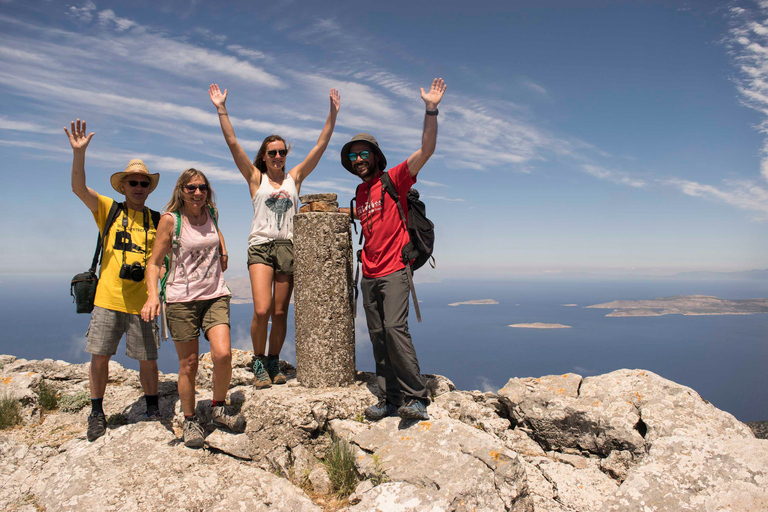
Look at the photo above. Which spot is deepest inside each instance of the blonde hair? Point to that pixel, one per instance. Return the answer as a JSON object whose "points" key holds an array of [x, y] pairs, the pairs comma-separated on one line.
{"points": [[177, 199]]}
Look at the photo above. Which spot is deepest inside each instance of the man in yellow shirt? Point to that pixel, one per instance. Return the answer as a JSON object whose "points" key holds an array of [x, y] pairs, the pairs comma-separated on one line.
{"points": [[122, 288]]}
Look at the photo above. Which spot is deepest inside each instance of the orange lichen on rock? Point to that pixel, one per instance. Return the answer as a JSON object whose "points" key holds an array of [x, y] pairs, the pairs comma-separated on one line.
{"points": [[425, 425]]}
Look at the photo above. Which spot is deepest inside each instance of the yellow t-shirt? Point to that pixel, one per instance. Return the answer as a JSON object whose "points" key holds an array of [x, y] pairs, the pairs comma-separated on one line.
{"points": [[113, 292]]}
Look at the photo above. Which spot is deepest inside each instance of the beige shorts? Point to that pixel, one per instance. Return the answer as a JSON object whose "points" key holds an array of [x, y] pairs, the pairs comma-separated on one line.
{"points": [[142, 339], [277, 254], [186, 319]]}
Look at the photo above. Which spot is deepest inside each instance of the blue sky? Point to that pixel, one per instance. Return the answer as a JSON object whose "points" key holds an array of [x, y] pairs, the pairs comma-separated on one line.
{"points": [[574, 136]]}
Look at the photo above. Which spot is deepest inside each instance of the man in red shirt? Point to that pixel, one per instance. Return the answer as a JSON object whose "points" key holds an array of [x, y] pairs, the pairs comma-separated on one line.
{"points": [[385, 280]]}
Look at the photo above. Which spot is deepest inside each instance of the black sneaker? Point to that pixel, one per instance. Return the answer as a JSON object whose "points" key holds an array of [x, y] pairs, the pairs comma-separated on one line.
{"points": [[380, 410], [154, 416], [97, 425], [413, 410]]}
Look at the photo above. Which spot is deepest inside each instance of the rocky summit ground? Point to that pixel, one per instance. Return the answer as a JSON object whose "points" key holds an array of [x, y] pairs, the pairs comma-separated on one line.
{"points": [[629, 440]]}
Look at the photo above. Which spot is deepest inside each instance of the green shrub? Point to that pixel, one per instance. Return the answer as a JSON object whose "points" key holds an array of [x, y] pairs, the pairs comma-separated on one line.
{"points": [[10, 412], [73, 403], [379, 476], [340, 463], [117, 419], [47, 398]]}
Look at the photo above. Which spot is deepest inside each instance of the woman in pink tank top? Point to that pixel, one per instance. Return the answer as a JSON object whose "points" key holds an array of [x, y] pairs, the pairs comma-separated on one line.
{"points": [[275, 195], [196, 296]]}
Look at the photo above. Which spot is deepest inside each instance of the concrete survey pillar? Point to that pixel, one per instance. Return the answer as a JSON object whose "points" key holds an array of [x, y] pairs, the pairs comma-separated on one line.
{"points": [[323, 294]]}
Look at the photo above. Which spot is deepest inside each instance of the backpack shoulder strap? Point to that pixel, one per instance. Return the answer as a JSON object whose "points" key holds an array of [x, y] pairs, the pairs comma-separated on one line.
{"points": [[98, 255], [155, 217], [214, 215], [386, 184]]}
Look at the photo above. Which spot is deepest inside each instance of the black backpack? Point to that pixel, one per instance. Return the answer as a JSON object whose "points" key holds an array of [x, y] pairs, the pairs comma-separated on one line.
{"points": [[421, 232]]}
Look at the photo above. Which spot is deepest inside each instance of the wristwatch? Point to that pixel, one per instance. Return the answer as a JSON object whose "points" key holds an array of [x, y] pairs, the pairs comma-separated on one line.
{"points": [[432, 112]]}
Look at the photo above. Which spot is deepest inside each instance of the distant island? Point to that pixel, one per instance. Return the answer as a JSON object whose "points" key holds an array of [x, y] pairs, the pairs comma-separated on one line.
{"points": [[539, 325], [474, 302], [684, 305], [569, 305]]}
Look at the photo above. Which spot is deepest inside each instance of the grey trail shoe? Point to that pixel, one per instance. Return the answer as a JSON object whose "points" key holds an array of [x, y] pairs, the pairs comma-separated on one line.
{"points": [[413, 410], [273, 369], [192, 433], [380, 410], [97, 425], [261, 377], [220, 418]]}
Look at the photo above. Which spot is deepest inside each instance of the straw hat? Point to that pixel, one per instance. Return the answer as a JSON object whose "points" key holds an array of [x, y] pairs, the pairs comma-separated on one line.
{"points": [[362, 137], [135, 166]]}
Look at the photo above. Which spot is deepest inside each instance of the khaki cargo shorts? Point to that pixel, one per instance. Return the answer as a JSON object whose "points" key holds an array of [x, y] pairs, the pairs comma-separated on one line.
{"points": [[277, 254], [186, 319]]}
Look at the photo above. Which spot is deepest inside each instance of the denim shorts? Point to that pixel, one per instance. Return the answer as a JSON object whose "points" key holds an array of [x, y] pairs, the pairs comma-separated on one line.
{"points": [[277, 254], [142, 339]]}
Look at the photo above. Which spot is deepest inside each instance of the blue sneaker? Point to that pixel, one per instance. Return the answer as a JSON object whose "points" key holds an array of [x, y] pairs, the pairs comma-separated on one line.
{"points": [[413, 410], [380, 410]]}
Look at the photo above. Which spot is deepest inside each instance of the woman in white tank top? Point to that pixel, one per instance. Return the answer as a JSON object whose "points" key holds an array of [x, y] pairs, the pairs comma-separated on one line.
{"points": [[275, 196]]}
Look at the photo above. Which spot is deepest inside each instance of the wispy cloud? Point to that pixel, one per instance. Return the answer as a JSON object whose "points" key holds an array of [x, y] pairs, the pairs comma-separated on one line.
{"points": [[84, 13], [618, 177], [741, 194], [442, 198], [24, 126], [486, 386], [248, 53]]}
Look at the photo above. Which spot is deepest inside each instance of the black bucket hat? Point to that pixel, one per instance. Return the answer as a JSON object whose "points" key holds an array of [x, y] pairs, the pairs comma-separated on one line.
{"points": [[363, 137]]}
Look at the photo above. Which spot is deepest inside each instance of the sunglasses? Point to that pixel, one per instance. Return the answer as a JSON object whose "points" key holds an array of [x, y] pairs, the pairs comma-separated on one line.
{"points": [[273, 152], [363, 154], [136, 183], [192, 187]]}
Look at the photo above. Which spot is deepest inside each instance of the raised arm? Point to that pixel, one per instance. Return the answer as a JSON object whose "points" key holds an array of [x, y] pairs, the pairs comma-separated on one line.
{"points": [[79, 141], [247, 169], [429, 137], [301, 171], [151, 308]]}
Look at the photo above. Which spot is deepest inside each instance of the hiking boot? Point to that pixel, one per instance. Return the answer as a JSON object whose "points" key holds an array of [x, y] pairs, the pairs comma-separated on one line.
{"points": [[220, 418], [380, 410], [97, 425], [192, 433], [273, 369], [413, 410], [261, 377]]}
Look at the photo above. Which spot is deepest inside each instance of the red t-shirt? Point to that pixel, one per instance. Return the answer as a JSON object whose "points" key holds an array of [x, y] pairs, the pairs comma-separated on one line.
{"points": [[385, 234]]}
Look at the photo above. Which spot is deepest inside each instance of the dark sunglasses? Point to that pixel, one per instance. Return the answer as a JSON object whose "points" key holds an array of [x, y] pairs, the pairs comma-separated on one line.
{"points": [[136, 183], [273, 152], [191, 188], [363, 154]]}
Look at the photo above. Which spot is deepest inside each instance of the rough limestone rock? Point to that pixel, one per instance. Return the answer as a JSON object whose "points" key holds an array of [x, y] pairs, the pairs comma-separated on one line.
{"points": [[563, 485], [325, 330], [401, 497], [129, 469], [318, 198], [527, 448], [697, 474], [464, 465], [623, 410]]}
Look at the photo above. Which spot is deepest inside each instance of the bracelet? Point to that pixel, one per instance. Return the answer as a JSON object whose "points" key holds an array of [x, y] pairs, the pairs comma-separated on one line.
{"points": [[223, 114], [432, 112], [225, 255]]}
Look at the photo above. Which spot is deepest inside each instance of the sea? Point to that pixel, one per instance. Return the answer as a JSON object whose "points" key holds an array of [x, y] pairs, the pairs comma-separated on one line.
{"points": [[724, 357]]}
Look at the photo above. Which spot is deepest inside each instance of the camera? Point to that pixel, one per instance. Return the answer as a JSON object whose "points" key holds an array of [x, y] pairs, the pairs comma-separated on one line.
{"points": [[134, 272]]}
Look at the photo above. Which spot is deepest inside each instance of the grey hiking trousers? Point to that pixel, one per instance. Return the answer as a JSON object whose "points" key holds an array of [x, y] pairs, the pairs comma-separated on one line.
{"points": [[385, 300]]}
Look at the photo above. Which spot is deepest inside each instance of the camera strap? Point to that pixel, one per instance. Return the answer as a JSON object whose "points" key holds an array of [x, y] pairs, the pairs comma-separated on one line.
{"points": [[145, 213]]}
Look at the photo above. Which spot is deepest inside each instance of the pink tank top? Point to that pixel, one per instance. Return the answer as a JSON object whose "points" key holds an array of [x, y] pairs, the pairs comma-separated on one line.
{"points": [[198, 274]]}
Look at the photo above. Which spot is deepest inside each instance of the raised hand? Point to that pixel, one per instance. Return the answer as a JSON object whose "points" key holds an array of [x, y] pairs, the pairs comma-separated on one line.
{"points": [[435, 94], [335, 101], [78, 139], [218, 98]]}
